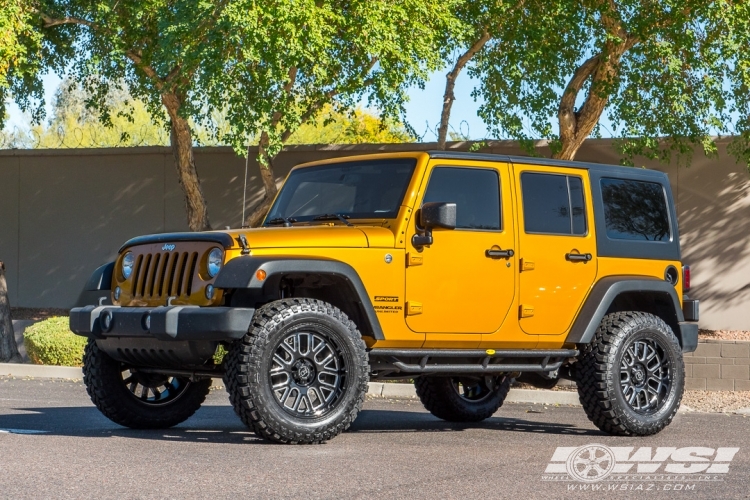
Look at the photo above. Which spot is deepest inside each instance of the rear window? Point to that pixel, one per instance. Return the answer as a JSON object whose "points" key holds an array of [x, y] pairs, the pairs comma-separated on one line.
{"points": [[553, 204], [635, 210]]}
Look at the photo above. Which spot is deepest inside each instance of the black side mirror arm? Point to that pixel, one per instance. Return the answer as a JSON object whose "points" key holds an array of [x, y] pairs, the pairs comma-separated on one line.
{"points": [[420, 240], [431, 215]]}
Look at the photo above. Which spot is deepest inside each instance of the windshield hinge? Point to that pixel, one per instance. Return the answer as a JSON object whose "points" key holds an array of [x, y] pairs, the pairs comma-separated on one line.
{"points": [[243, 243]]}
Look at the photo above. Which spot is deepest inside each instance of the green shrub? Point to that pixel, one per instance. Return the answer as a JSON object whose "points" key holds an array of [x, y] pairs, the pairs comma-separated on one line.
{"points": [[221, 351], [50, 342]]}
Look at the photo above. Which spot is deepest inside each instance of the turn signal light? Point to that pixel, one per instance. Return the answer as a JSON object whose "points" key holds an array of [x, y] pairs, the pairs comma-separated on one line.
{"points": [[685, 278], [260, 274]]}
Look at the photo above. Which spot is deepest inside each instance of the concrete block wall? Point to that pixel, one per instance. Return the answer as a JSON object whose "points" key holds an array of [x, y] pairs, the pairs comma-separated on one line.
{"points": [[65, 212], [719, 365]]}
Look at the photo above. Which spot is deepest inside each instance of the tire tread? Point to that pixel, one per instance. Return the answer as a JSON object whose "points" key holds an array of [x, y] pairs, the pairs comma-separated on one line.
{"points": [[243, 366], [595, 380]]}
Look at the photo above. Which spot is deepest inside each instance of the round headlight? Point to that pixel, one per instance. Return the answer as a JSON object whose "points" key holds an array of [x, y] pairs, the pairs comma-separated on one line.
{"points": [[127, 265], [215, 260]]}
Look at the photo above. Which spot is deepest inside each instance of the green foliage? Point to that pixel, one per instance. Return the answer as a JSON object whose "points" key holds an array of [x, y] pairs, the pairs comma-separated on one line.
{"points": [[22, 57], [282, 62], [730, 26], [653, 66], [349, 127], [73, 125], [221, 351], [50, 342]]}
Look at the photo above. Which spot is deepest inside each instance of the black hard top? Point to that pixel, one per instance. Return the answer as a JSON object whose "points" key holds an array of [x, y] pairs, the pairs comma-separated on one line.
{"points": [[615, 170]]}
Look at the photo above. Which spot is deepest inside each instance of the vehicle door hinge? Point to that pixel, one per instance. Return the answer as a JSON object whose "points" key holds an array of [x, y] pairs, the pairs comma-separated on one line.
{"points": [[413, 259], [527, 265], [413, 308], [526, 311]]}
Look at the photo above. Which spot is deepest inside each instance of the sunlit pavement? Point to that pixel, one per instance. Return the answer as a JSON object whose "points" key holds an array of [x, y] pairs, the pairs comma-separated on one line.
{"points": [[54, 443]]}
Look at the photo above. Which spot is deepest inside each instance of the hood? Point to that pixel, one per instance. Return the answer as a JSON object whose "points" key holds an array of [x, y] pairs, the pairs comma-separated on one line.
{"points": [[321, 236]]}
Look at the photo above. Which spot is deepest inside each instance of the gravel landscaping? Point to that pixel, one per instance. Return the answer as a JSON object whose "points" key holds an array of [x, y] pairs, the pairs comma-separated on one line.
{"points": [[36, 314], [724, 334], [716, 401]]}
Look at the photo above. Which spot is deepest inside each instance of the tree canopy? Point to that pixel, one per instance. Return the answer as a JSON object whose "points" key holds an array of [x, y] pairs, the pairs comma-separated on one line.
{"points": [[650, 67], [73, 125], [268, 67], [281, 63], [666, 74]]}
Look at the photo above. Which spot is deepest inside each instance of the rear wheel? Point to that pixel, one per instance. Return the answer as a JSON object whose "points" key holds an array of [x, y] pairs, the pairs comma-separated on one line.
{"points": [[136, 399], [631, 376], [300, 375], [463, 399]]}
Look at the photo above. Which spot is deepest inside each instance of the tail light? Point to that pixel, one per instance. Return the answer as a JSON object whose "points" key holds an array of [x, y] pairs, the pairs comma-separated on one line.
{"points": [[685, 278]]}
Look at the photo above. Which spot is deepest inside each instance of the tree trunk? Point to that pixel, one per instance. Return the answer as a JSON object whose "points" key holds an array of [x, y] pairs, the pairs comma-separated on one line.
{"points": [[8, 348], [181, 140], [602, 70], [450, 84], [258, 213]]}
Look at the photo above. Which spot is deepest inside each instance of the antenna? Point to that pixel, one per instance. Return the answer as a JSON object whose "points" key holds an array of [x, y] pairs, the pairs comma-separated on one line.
{"points": [[244, 189]]}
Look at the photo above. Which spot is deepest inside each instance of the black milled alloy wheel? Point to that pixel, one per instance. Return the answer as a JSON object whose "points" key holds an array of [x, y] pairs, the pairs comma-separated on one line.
{"points": [[136, 399], [631, 376], [300, 375], [463, 399]]}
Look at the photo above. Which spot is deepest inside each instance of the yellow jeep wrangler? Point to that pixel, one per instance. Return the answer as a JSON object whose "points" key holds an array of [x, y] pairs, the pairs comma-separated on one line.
{"points": [[461, 271]]}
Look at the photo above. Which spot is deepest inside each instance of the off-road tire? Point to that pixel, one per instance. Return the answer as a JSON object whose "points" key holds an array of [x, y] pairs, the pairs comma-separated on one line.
{"points": [[440, 397], [249, 376], [599, 374], [102, 376]]}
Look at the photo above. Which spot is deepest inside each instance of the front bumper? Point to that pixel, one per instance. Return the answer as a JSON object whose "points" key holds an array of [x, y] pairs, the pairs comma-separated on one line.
{"points": [[177, 323]]}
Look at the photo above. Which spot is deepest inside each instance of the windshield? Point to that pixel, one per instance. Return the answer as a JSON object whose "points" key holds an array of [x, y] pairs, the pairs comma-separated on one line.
{"points": [[357, 190]]}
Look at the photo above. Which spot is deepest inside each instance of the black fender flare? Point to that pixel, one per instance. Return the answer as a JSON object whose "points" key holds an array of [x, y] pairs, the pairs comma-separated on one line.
{"points": [[240, 272], [605, 291], [101, 278]]}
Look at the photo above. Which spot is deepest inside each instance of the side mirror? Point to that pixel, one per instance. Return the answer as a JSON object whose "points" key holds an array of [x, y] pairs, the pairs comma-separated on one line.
{"points": [[431, 215], [438, 214]]}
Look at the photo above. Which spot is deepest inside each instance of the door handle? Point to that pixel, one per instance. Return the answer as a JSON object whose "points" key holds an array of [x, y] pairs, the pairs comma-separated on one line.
{"points": [[578, 257], [496, 254]]}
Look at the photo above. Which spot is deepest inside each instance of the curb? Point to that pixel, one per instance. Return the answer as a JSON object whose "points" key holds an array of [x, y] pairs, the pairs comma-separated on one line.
{"points": [[375, 389], [40, 371]]}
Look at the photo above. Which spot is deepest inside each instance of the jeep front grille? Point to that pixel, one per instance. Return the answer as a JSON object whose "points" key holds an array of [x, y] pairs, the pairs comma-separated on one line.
{"points": [[164, 275]]}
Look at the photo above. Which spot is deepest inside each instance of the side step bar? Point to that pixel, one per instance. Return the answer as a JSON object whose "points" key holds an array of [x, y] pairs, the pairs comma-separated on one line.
{"points": [[477, 361]]}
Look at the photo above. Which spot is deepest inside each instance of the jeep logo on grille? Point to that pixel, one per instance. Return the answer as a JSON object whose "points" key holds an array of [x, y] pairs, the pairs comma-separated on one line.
{"points": [[168, 247]]}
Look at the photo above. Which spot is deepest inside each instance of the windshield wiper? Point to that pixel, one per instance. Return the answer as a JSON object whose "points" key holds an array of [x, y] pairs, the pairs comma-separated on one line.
{"points": [[341, 217], [287, 221]]}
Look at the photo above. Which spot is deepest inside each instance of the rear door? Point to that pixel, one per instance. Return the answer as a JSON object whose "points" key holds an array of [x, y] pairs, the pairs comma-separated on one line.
{"points": [[557, 247]]}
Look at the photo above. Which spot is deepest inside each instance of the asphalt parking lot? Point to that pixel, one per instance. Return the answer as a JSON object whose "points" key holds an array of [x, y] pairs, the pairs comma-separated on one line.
{"points": [[55, 444]]}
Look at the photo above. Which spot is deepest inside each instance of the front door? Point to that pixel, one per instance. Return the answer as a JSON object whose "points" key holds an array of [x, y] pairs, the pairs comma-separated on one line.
{"points": [[462, 283], [557, 247]]}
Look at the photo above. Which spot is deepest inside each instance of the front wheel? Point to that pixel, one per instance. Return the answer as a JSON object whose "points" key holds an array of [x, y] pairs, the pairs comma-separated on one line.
{"points": [[463, 399], [136, 399], [300, 375], [631, 376]]}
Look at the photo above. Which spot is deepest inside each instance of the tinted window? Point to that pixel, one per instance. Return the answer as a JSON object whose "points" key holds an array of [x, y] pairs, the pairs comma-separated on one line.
{"points": [[366, 189], [578, 209], [635, 210], [475, 191], [553, 204]]}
